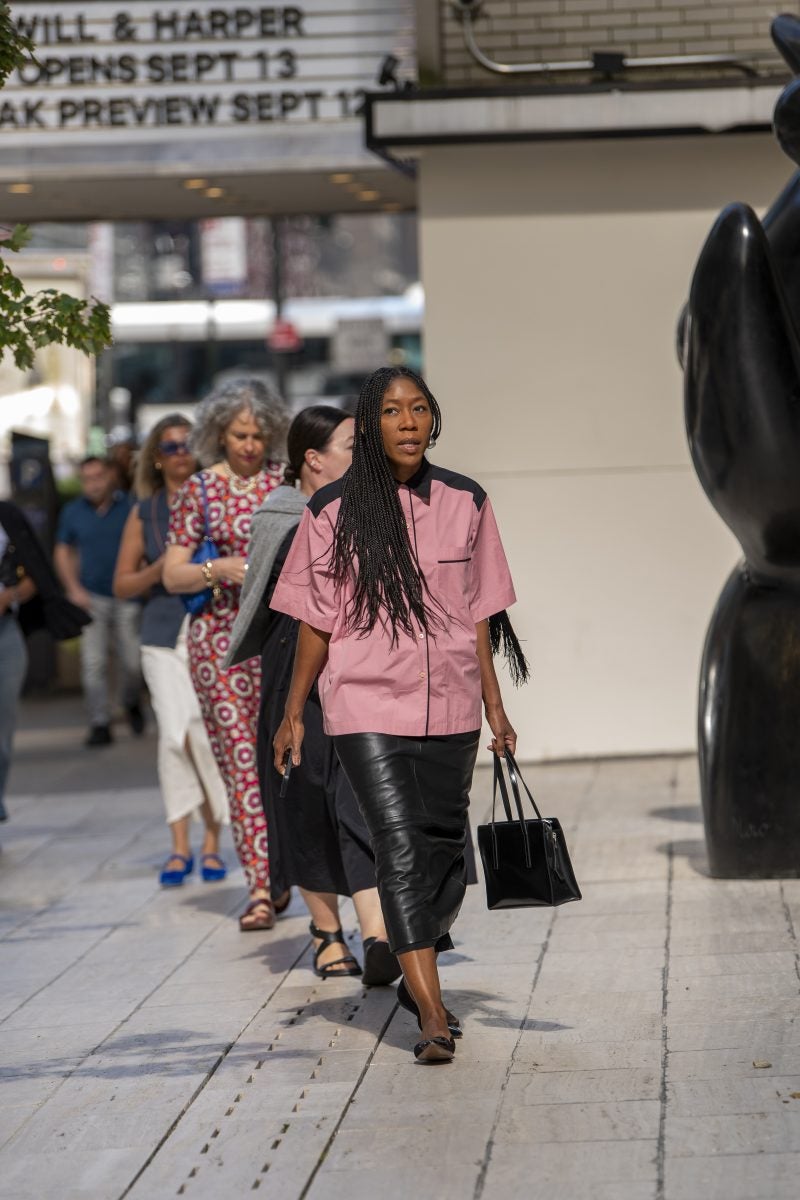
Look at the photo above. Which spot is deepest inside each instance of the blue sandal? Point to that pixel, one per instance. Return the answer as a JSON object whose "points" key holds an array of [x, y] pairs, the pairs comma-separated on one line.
{"points": [[172, 877], [212, 868]]}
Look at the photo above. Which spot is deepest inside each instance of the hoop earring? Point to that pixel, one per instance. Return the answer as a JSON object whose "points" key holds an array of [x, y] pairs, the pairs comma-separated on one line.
{"points": [[157, 466], [431, 443]]}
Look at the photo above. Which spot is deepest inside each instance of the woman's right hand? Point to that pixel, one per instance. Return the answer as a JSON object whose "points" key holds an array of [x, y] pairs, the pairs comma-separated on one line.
{"points": [[230, 569], [289, 737]]}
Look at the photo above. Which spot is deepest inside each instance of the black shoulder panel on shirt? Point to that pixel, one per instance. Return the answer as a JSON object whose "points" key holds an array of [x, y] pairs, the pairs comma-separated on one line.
{"points": [[461, 483], [325, 496]]}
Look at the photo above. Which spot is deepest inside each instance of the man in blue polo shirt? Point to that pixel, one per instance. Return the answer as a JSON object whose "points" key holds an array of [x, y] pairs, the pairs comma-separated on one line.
{"points": [[87, 541]]}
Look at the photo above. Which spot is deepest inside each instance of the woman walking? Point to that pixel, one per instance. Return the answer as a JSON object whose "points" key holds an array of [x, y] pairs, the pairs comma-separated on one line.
{"points": [[396, 573], [30, 599], [14, 590], [317, 836], [187, 772], [237, 426]]}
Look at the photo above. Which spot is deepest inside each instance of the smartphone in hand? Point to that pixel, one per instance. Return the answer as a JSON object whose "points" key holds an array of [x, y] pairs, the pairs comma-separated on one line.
{"points": [[287, 770]]}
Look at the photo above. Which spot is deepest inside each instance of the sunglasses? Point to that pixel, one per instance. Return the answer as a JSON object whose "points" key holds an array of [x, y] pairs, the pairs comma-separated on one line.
{"points": [[170, 448]]}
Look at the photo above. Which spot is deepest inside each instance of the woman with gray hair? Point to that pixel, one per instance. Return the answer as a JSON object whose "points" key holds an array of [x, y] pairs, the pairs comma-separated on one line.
{"points": [[236, 428]]}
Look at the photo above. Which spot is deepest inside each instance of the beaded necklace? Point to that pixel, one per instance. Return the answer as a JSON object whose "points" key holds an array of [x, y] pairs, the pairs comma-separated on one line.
{"points": [[240, 485]]}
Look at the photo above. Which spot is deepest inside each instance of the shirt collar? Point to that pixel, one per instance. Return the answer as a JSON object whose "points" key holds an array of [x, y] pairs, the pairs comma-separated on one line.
{"points": [[420, 481], [117, 497]]}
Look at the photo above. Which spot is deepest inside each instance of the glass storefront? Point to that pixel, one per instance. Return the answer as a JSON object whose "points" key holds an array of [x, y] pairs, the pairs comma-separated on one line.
{"points": [[195, 303]]}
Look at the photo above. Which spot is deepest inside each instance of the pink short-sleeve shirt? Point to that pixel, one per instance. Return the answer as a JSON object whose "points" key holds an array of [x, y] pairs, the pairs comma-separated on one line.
{"points": [[429, 683]]}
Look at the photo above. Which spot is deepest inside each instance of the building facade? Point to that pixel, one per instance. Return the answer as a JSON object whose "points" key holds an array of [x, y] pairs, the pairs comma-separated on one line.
{"points": [[211, 161], [517, 31]]}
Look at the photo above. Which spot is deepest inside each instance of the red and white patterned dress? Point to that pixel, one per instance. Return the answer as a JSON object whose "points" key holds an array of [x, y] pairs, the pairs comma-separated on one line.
{"points": [[229, 700]]}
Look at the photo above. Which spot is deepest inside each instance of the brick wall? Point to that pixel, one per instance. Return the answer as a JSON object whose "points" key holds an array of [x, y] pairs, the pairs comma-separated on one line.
{"points": [[513, 31]]}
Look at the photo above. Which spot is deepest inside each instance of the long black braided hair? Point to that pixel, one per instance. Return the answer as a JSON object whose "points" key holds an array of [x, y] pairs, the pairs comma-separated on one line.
{"points": [[389, 586], [371, 528]]}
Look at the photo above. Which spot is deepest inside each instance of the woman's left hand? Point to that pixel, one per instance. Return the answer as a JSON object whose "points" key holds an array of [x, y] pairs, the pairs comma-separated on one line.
{"points": [[288, 738], [502, 729]]}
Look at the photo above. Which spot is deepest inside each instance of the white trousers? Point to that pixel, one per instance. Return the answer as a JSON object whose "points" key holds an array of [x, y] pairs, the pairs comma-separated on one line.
{"points": [[187, 770]]}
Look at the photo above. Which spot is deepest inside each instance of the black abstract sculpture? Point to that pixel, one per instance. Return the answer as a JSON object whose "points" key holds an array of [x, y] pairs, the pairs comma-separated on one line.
{"points": [[741, 357]]}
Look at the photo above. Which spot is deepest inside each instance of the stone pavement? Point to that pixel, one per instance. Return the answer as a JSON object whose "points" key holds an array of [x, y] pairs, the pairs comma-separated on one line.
{"points": [[641, 1045]]}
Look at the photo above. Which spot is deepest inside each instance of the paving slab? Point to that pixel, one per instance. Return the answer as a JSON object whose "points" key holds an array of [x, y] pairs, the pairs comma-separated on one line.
{"points": [[149, 1050], [736, 1177], [738, 1133], [613, 1170]]}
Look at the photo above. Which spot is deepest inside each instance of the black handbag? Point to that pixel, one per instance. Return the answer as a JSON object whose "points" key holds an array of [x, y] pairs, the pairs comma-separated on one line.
{"points": [[48, 609], [11, 572], [525, 862], [62, 619]]}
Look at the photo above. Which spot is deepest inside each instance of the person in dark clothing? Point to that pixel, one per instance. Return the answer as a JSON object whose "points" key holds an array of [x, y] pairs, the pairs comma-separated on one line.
{"points": [[317, 837], [30, 599]]}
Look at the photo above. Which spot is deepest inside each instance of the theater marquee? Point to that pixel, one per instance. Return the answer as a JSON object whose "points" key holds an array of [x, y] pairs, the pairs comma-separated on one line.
{"points": [[137, 69], [156, 108]]}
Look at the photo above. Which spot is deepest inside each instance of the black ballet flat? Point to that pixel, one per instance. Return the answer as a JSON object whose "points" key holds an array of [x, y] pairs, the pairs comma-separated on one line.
{"points": [[380, 965], [330, 970], [435, 1050], [406, 1001]]}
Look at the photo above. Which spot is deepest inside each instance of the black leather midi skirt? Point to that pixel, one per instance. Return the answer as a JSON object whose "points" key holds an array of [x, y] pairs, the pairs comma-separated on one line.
{"points": [[414, 796]]}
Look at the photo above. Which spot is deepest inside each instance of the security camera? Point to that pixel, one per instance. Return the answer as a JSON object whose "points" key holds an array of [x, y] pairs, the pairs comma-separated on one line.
{"points": [[467, 7]]}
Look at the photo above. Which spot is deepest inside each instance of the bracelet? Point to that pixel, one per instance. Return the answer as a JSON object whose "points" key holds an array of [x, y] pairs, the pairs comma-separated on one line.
{"points": [[206, 570]]}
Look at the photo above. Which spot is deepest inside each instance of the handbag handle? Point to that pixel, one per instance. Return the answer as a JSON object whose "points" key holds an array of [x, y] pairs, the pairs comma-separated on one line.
{"points": [[551, 841], [499, 781], [515, 775], [206, 525]]}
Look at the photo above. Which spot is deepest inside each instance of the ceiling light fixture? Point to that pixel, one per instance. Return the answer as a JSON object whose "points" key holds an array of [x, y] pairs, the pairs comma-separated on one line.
{"points": [[20, 189], [368, 194], [214, 193], [195, 185], [342, 177]]}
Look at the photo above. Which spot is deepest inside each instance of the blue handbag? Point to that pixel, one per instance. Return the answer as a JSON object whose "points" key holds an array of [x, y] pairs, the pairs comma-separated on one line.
{"points": [[195, 602]]}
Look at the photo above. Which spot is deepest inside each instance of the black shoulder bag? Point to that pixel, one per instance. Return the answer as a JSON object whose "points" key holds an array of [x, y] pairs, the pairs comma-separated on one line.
{"points": [[49, 609], [525, 862]]}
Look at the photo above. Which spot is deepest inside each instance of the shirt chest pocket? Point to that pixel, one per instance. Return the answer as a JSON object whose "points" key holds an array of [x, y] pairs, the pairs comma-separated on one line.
{"points": [[452, 575]]}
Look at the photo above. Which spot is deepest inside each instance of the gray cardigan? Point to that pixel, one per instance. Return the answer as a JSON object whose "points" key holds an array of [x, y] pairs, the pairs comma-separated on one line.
{"points": [[272, 520]]}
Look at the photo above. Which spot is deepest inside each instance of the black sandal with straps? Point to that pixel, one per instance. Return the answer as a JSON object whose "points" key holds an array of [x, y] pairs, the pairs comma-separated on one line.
{"points": [[330, 970]]}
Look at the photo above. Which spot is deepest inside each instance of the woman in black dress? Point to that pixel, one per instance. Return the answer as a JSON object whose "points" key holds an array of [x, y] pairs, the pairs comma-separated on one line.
{"points": [[317, 837]]}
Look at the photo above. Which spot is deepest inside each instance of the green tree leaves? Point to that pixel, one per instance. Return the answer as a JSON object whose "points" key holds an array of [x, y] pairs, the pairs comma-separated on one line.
{"points": [[30, 321]]}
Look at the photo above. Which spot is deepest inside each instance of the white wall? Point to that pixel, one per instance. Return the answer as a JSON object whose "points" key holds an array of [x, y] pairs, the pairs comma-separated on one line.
{"points": [[554, 274]]}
